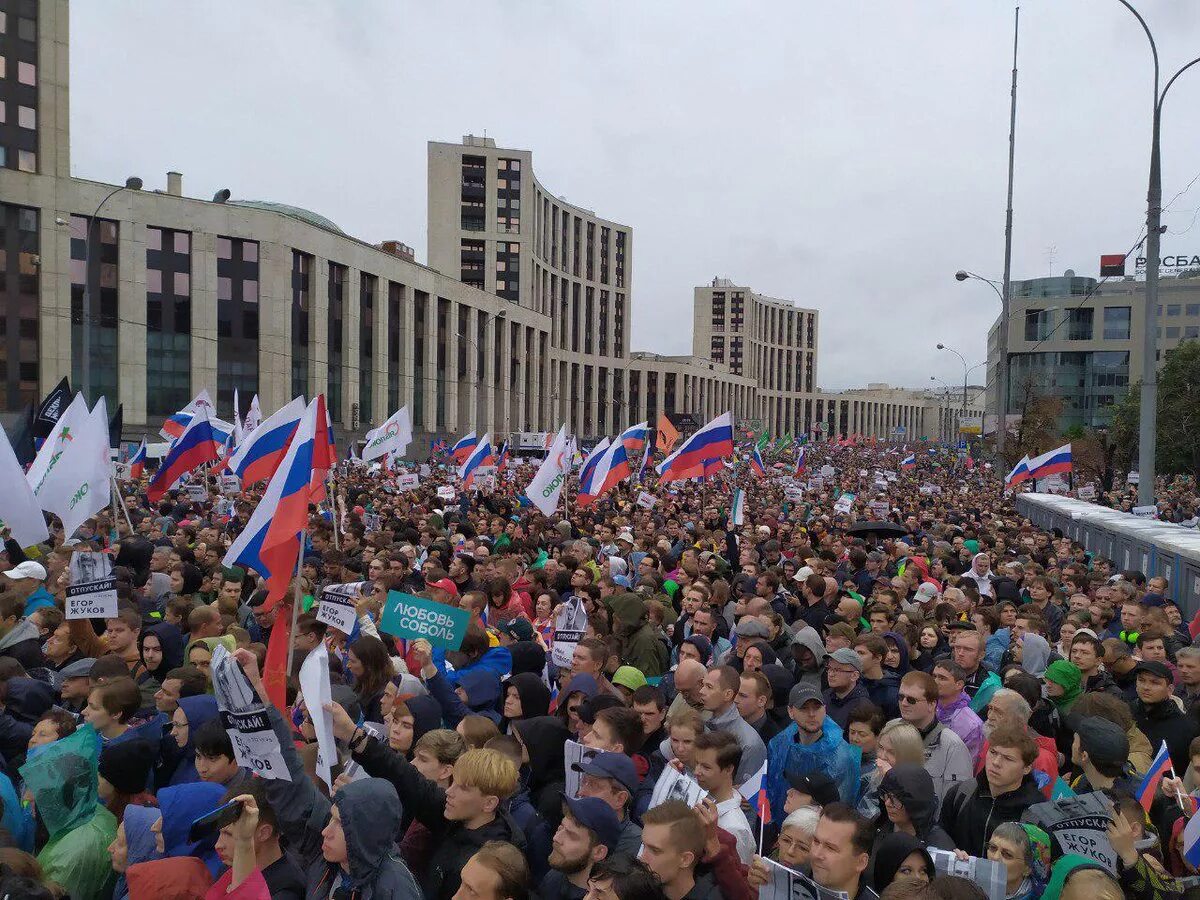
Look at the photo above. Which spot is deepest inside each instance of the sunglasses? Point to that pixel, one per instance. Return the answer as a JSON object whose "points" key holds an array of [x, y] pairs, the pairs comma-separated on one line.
{"points": [[908, 698]]}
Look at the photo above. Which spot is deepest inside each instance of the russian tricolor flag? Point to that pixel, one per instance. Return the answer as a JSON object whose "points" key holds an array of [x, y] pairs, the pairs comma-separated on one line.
{"points": [[1055, 462], [197, 445], [464, 448], [1019, 473], [177, 424], [1160, 766], [756, 463], [270, 542], [137, 464], [479, 456], [502, 458], [263, 449], [801, 463], [909, 462], [713, 441], [590, 476], [621, 453]]}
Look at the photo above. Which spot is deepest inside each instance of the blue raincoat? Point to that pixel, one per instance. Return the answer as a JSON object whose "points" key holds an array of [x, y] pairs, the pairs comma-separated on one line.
{"points": [[830, 754]]}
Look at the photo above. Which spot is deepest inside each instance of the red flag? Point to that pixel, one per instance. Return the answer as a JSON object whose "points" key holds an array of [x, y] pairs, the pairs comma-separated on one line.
{"points": [[275, 671]]}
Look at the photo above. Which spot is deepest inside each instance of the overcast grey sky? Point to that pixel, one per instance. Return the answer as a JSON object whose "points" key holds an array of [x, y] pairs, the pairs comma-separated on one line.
{"points": [[849, 157]]}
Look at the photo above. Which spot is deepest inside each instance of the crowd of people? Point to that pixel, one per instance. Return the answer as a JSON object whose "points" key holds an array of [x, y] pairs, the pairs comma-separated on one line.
{"points": [[872, 681]]}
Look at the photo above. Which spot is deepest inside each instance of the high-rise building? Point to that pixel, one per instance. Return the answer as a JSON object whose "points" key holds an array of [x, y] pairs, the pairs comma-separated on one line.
{"points": [[521, 321]]}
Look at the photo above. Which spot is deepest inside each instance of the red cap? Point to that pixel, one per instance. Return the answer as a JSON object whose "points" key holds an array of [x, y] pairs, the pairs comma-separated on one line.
{"points": [[446, 585]]}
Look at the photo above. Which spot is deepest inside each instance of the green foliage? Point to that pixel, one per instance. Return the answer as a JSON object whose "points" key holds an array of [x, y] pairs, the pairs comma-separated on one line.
{"points": [[1178, 450]]}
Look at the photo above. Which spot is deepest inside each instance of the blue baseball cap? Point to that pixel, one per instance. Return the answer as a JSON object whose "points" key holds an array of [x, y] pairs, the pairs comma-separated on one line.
{"points": [[617, 766], [597, 817]]}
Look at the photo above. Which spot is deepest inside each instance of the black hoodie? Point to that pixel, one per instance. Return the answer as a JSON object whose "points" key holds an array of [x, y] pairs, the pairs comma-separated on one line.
{"points": [[544, 738], [970, 813], [914, 788]]}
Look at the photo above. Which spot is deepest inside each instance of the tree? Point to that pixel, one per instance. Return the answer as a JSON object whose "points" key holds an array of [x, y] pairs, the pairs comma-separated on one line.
{"points": [[1178, 450], [1038, 430]]}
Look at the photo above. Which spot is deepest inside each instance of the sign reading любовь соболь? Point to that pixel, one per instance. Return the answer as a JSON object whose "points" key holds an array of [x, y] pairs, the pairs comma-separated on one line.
{"points": [[406, 616]]}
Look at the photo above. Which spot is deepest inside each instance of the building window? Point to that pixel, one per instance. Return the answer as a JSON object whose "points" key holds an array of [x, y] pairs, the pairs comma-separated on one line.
{"points": [[1079, 324], [335, 322], [508, 195], [27, 117], [1172, 331], [1191, 331], [474, 186], [395, 345], [19, 293], [604, 233], [1038, 323], [94, 259], [471, 253], [1173, 309], [1116, 323], [508, 270], [168, 321], [237, 319], [367, 292], [619, 259], [302, 267]]}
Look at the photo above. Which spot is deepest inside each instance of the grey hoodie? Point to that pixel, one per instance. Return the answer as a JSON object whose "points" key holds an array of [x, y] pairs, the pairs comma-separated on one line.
{"points": [[807, 636]]}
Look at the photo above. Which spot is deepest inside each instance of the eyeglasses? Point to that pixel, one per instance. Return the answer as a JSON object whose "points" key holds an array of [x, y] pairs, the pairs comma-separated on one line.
{"points": [[909, 698]]}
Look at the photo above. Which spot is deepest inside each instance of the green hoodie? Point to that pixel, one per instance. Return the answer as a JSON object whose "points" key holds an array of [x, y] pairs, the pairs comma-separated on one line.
{"points": [[1064, 868]]}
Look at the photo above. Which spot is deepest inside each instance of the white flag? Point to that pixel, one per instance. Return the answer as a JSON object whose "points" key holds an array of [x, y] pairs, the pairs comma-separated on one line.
{"points": [[546, 487], [237, 419], [68, 424], [253, 416], [77, 481], [19, 509], [393, 436]]}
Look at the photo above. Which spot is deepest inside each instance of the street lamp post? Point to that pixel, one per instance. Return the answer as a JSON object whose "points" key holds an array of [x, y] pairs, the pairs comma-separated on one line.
{"points": [[964, 362], [132, 183], [1002, 291], [1147, 425]]}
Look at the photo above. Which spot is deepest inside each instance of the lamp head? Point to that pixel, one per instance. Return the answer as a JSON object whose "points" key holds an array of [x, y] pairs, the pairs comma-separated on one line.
{"points": [[941, 346], [961, 275], [133, 183], [221, 196]]}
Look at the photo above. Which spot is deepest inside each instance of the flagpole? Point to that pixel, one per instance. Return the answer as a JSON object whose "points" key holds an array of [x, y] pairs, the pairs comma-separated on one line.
{"points": [[337, 520], [296, 601], [124, 508]]}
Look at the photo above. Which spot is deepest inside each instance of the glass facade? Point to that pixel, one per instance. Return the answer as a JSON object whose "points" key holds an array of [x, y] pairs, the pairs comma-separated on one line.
{"points": [[395, 345], [337, 339], [237, 319], [368, 289], [302, 266], [98, 269], [1116, 323], [168, 320], [19, 332], [1089, 384], [18, 85]]}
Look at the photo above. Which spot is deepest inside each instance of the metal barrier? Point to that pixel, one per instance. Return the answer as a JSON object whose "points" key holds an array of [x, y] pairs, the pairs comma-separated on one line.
{"points": [[1146, 545]]}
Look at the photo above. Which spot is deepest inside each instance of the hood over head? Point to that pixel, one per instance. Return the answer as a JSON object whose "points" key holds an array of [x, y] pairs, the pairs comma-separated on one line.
{"points": [[535, 696], [807, 636], [28, 698], [893, 850], [199, 709], [370, 814], [138, 835], [172, 641], [894, 638], [781, 684], [482, 687], [628, 609], [426, 713], [527, 656], [1035, 654], [181, 805], [914, 786], [544, 737], [579, 684]]}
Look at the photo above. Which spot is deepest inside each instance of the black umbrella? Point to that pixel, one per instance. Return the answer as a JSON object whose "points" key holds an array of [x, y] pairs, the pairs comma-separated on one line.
{"points": [[880, 528]]}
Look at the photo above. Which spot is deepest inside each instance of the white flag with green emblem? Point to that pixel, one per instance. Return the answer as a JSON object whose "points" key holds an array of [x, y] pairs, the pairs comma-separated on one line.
{"points": [[75, 482]]}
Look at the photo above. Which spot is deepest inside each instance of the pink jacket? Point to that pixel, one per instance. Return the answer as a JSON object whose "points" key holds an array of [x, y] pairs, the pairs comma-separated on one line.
{"points": [[253, 888]]}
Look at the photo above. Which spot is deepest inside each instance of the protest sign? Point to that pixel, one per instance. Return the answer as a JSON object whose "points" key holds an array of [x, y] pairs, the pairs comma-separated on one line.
{"points": [[425, 470], [230, 484], [880, 509], [354, 771], [372, 522], [408, 482], [1078, 825], [337, 605], [788, 884], [674, 785], [827, 471], [1087, 492], [196, 491], [646, 501], [92, 593], [314, 686], [569, 627], [574, 753], [793, 493], [406, 616], [843, 503], [445, 492], [990, 875], [255, 744], [1145, 512], [486, 482]]}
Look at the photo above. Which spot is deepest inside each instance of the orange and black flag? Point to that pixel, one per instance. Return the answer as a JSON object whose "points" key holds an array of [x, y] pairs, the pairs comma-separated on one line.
{"points": [[667, 435]]}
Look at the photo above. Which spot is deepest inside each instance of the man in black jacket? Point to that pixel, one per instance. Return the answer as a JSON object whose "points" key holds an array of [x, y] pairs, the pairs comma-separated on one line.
{"points": [[1159, 716], [971, 810]]}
